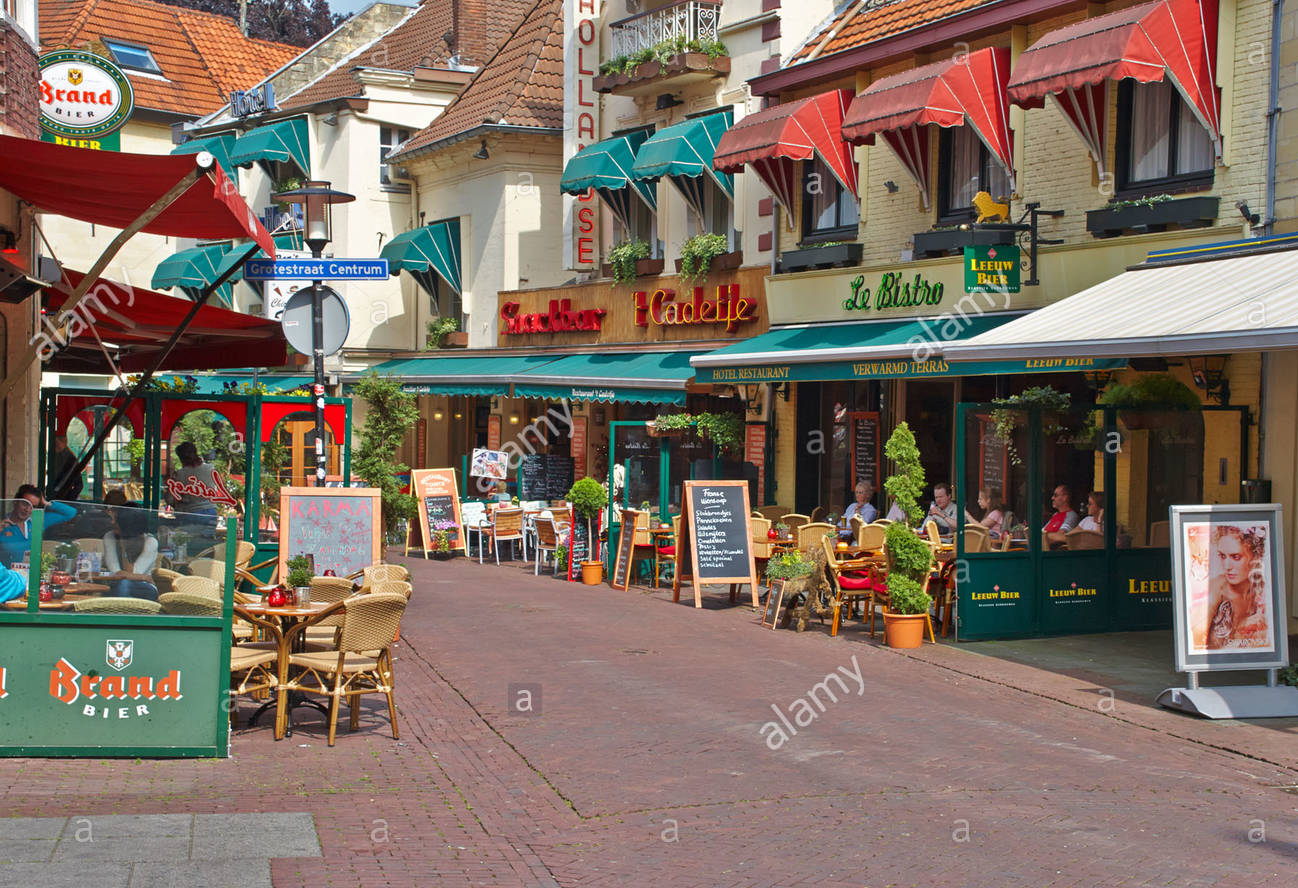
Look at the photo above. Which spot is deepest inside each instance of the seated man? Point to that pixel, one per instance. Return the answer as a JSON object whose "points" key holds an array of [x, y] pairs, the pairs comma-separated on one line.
{"points": [[1063, 520], [16, 530], [942, 512], [861, 507]]}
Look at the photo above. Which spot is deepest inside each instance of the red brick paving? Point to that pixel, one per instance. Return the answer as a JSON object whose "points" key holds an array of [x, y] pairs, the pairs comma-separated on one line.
{"points": [[645, 766]]}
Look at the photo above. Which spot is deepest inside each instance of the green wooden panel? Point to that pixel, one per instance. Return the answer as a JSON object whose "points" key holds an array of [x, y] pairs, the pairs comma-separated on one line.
{"points": [[997, 597], [1142, 589], [1074, 592]]}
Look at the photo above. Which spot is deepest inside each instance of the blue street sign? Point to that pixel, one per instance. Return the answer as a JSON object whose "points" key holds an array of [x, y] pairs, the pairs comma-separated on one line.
{"points": [[315, 269]]}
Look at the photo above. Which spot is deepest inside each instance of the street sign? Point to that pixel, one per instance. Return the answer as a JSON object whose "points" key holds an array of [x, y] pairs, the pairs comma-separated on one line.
{"points": [[315, 269], [296, 320], [276, 293]]}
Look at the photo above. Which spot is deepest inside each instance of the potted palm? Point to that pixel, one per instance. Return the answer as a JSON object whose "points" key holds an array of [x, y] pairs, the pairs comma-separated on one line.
{"points": [[588, 497], [299, 578], [909, 557]]}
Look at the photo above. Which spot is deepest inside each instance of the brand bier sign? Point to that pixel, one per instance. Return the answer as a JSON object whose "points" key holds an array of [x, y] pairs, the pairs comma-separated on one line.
{"points": [[82, 96]]}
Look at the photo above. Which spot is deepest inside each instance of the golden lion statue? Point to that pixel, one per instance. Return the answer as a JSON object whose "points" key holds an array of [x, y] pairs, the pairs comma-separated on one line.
{"points": [[989, 210]]}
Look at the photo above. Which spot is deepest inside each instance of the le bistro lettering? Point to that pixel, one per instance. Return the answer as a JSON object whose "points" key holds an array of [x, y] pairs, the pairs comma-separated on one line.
{"points": [[727, 307], [559, 319], [892, 293]]}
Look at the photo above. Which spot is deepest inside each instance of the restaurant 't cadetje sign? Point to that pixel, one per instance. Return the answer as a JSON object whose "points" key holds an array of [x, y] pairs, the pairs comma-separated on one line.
{"points": [[83, 98]]}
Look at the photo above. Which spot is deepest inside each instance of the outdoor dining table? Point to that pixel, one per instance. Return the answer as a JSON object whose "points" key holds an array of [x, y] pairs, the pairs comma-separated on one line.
{"points": [[288, 617]]}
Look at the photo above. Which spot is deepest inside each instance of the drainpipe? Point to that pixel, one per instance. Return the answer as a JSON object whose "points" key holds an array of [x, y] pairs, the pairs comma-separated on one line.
{"points": [[1273, 113], [775, 236]]}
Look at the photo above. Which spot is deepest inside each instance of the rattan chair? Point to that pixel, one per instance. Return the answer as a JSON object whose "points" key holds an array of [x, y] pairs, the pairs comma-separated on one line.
{"points": [[761, 538], [255, 671], [385, 572], [391, 587], [505, 526], [546, 541], [977, 538], [809, 535], [853, 583], [773, 513], [794, 520], [117, 606], [323, 634], [204, 586], [163, 578], [871, 536], [1083, 539], [817, 514], [362, 664], [208, 567], [187, 604]]}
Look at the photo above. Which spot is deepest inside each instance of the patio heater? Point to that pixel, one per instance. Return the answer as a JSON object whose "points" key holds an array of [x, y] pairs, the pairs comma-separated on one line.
{"points": [[316, 198]]}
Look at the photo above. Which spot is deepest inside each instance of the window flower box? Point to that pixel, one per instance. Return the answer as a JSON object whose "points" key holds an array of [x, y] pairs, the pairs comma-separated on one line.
{"points": [[952, 241], [1152, 214], [643, 268], [724, 262], [823, 256]]}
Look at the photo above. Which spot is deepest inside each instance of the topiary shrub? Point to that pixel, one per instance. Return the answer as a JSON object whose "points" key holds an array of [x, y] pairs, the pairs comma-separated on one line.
{"points": [[909, 557]]}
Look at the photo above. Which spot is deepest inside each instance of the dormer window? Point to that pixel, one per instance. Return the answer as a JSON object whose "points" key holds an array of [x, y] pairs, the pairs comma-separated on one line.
{"points": [[132, 57]]}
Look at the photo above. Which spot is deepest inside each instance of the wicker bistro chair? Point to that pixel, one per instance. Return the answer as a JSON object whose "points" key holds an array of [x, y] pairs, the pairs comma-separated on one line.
{"points": [[774, 513], [163, 578], [794, 520], [818, 514], [377, 572], [505, 526], [322, 634], [362, 663], [871, 536], [665, 556], [1083, 539], [188, 604], [208, 567], [853, 583], [204, 586], [809, 535], [546, 541], [977, 538], [117, 606], [255, 671]]}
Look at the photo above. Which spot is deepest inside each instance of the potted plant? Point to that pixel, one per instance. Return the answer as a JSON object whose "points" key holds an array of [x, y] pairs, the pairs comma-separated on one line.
{"points": [[67, 552], [445, 333], [442, 528], [724, 430], [588, 497], [1150, 392], [1008, 411], [782, 530], [630, 259], [909, 557], [669, 425], [561, 558], [1154, 213], [299, 578], [834, 254], [703, 254], [795, 569]]}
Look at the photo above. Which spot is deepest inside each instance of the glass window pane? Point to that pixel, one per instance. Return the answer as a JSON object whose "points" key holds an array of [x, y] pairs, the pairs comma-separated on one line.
{"points": [[963, 169], [1161, 464], [1149, 131], [995, 501], [1194, 151], [1072, 469]]}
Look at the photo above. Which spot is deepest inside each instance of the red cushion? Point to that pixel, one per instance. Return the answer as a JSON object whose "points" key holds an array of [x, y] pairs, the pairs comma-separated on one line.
{"points": [[855, 583], [666, 550]]}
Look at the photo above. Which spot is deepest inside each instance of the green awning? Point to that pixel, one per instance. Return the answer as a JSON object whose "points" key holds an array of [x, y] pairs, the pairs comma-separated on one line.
{"points": [[433, 247], [684, 152], [606, 167], [284, 140], [218, 146], [220, 385], [462, 374], [648, 378], [193, 269], [870, 350]]}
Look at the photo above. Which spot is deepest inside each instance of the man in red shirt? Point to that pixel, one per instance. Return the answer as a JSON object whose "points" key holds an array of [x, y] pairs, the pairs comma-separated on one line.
{"points": [[1064, 519]]}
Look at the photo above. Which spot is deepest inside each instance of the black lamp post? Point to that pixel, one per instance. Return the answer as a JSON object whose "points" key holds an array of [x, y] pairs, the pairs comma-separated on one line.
{"points": [[316, 199]]}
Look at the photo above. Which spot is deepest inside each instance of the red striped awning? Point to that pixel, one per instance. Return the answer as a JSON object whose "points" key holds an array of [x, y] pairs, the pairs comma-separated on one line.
{"points": [[133, 324], [772, 142], [114, 188], [1165, 39], [965, 90]]}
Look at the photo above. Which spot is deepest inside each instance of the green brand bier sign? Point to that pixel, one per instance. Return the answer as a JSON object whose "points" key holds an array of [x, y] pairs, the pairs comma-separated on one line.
{"points": [[112, 690], [991, 269], [892, 292]]}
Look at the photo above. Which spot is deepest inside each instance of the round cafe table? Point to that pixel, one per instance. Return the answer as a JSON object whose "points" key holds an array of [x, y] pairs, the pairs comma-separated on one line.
{"points": [[288, 617]]}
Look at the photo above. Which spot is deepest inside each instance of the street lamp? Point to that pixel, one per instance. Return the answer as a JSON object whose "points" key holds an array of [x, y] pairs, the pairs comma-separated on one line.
{"points": [[316, 199]]}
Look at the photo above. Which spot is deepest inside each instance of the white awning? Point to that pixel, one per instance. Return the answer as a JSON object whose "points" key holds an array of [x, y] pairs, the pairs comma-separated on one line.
{"points": [[1241, 303]]}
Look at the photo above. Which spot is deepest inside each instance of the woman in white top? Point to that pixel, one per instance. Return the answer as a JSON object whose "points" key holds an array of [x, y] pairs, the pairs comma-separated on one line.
{"points": [[130, 554], [1094, 519]]}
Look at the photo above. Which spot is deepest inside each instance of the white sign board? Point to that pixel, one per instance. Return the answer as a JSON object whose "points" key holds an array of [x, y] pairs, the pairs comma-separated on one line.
{"points": [[580, 127], [277, 293]]}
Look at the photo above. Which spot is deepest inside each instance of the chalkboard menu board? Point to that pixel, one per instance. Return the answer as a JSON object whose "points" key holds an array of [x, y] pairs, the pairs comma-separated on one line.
{"points": [[716, 540], [558, 477], [532, 484], [341, 527], [438, 496], [631, 519], [993, 468], [865, 448]]}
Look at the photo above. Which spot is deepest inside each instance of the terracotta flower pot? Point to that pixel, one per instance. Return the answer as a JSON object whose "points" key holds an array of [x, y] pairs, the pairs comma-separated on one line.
{"points": [[592, 572], [903, 630]]}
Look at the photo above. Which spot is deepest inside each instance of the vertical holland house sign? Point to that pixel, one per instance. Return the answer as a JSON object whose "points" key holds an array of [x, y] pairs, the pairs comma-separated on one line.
{"points": [[580, 127]]}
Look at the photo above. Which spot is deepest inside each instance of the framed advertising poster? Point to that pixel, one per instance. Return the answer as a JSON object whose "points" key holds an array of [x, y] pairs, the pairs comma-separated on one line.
{"points": [[493, 464], [1228, 587]]}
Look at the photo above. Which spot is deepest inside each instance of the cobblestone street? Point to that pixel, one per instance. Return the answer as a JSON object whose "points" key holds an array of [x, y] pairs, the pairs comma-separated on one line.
{"points": [[672, 746]]}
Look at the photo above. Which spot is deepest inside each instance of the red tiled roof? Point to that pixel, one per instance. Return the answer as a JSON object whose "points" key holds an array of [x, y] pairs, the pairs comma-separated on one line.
{"points": [[202, 56], [419, 40], [522, 85], [859, 24]]}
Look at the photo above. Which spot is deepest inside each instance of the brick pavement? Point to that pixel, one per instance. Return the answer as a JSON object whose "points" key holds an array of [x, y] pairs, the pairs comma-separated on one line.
{"points": [[645, 765]]}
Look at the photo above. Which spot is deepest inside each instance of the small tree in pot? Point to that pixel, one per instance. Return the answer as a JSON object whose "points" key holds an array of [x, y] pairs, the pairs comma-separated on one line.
{"points": [[909, 557], [299, 578], [588, 497]]}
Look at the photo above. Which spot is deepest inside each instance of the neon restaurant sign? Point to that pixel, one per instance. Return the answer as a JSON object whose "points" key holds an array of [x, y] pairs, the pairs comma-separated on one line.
{"points": [[728, 307]]}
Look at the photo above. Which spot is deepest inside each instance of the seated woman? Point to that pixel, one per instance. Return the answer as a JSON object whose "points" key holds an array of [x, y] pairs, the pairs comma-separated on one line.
{"points": [[1094, 519], [130, 554], [989, 500]]}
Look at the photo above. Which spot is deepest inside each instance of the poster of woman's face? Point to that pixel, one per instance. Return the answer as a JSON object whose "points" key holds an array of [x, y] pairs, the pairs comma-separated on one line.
{"points": [[1228, 586]]}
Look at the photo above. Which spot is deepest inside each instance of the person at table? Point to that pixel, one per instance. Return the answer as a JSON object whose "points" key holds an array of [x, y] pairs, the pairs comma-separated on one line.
{"points": [[989, 500], [942, 510], [62, 461], [130, 554], [1064, 518], [1094, 519], [12, 584], [16, 530], [861, 507], [192, 472]]}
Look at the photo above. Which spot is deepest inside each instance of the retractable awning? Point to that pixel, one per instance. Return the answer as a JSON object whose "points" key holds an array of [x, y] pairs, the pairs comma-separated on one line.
{"points": [[606, 167], [684, 154], [773, 141], [1166, 39], [114, 189], [193, 269], [862, 350], [960, 91], [218, 146], [462, 374], [133, 324], [430, 248], [647, 378], [1229, 304], [283, 140]]}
